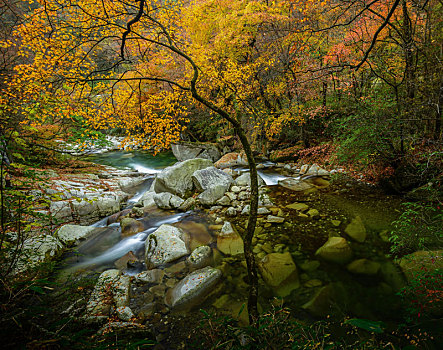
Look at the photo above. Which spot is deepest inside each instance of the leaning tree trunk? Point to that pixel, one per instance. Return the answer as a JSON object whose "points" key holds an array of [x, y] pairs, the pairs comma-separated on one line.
{"points": [[249, 233]]}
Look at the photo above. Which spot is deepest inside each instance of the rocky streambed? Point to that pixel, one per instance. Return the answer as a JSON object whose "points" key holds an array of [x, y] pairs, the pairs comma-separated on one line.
{"points": [[321, 246]]}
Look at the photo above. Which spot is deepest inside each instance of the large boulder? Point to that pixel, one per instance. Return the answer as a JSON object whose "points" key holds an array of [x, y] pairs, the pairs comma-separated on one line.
{"points": [[101, 299], [177, 179], [37, 250], [336, 250], [166, 200], [111, 289], [421, 261], [88, 210], [165, 245], [279, 272], [230, 160], [245, 180], [70, 234], [356, 230], [229, 241], [191, 150], [193, 288], [210, 177]]}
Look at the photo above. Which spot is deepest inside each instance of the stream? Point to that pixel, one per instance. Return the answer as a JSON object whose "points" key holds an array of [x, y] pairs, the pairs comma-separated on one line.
{"points": [[367, 296]]}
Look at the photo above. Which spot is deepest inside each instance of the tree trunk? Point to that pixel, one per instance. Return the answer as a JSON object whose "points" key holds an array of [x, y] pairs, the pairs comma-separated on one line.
{"points": [[249, 233]]}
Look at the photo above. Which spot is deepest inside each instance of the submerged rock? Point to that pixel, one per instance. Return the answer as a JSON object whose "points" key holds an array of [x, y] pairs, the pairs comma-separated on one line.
{"points": [[200, 257], [298, 206], [325, 300], [295, 185], [364, 267], [127, 259], [229, 241], [193, 288], [336, 250], [356, 230], [131, 226], [245, 180], [392, 276], [164, 245], [177, 179], [279, 272]]}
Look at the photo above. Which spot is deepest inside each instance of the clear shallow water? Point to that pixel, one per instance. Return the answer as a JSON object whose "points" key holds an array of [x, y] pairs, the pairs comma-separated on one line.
{"points": [[90, 253], [141, 161]]}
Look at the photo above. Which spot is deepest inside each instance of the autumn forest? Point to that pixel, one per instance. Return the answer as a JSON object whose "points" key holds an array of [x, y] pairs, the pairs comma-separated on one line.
{"points": [[287, 155]]}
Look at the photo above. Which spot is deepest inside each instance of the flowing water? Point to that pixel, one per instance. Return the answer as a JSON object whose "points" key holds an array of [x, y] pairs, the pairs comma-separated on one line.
{"points": [[363, 296]]}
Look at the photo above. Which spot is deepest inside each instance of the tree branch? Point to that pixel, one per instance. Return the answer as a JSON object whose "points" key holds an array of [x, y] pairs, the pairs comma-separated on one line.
{"points": [[128, 30]]}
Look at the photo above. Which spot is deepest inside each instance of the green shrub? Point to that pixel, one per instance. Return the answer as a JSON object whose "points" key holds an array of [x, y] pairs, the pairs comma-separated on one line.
{"points": [[418, 227]]}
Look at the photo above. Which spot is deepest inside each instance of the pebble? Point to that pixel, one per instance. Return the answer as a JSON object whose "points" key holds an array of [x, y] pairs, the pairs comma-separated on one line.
{"points": [[235, 189], [275, 219], [313, 283]]}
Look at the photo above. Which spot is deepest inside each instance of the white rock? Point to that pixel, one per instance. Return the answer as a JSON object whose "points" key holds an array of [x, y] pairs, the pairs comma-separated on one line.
{"points": [[275, 219], [263, 211], [193, 287], [231, 212], [210, 177], [315, 170], [164, 245], [37, 250], [235, 189], [166, 200], [224, 201], [124, 313], [177, 179], [70, 234], [147, 200], [61, 210]]}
